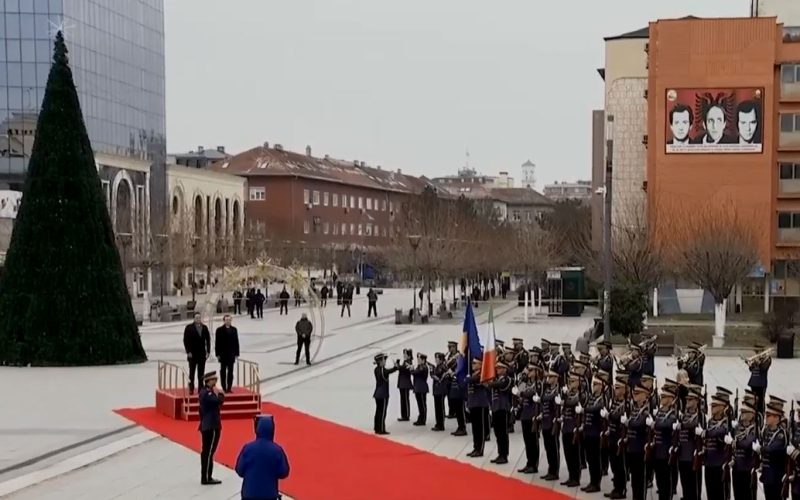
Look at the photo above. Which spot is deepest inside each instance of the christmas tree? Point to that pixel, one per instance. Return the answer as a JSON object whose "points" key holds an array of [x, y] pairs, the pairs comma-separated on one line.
{"points": [[63, 298]]}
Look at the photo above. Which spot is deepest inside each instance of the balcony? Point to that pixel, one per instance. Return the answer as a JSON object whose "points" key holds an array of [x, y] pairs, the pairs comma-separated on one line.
{"points": [[788, 229], [790, 82], [789, 180], [789, 236], [791, 34], [789, 136]]}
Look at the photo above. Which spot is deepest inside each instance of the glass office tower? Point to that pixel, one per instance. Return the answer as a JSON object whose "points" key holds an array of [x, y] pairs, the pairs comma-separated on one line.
{"points": [[116, 50]]}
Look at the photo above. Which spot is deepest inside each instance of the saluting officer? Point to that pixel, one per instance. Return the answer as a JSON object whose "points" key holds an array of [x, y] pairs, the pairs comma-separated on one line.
{"points": [[381, 393], [759, 370], [550, 413], [634, 366], [420, 378], [501, 406], [774, 441], [441, 388], [451, 359], [744, 461], [663, 431], [571, 419], [211, 400], [592, 428], [618, 409], [691, 428], [457, 397], [405, 385], [716, 438], [649, 348], [638, 425], [478, 402], [530, 416]]}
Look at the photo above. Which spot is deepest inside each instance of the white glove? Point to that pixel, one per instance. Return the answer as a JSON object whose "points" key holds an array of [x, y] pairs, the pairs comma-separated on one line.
{"points": [[756, 446], [728, 439], [676, 426], [536, 398], [734, 423], [603, 413], [558, 400], [789, 450], [515, 391], [650, 422], [623, 420], [698, 431], [579, 409], [564, 390]]}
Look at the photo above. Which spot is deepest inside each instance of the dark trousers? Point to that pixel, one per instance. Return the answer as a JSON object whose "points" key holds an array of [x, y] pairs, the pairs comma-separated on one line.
{"points": [[372, 309], [714, 489], [422, 406], [500, 425], [531, 440], [284, 307], [210, 441], [380, 414], [345, 305], [619, 475], [604, 459], [478, 420], [226, 373], [457, 408], [689, 477], [198, 364], [663, 472], [572, 455], [260, 310], [438, 411], [638, 475], [593, 461], [237, 306], [250, 309], [760, 392], [772, 491], [551, 451], [323, 301], [302, 343], [405, 403]]}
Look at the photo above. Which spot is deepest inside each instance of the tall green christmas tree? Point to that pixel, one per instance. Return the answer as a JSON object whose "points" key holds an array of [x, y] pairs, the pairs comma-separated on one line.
{"points": [[63, 298]]}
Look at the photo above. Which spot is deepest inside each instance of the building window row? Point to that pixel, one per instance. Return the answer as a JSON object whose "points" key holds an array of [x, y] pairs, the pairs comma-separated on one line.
{"points": [[790, 73], [789, 171], [788, 220], [258, 194], [312, 197], [315, 225], [790, 122]]}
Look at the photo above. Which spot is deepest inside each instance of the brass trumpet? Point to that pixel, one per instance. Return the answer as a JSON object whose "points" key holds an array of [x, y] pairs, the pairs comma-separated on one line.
{"points": [[759, 357]]}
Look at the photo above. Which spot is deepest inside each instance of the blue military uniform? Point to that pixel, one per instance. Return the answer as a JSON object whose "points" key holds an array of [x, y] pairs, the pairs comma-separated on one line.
{"points": [[637, 439], [478, 402], [441, 388], [419, 375], [759, 370], [634, 368], [571, 421], [773, 460], [593, 426], [456, 399], [618, 408], [648, 357], [210, 426], [664, 421], [405, 385], [744, 458], [716, 455], [691, 482], [501, 407], [530, 393], [381, 393], [550, 413]]}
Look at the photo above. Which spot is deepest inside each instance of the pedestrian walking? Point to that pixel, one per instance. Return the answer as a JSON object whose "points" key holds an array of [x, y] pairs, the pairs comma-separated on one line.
{"points": [[303, 328], [211, 400], [226, 348], [372, 300], [237, 302], [323, 295], [250, 300], [284, 301], [197, 344], [262, 462], [260, 299], [347, 300]]}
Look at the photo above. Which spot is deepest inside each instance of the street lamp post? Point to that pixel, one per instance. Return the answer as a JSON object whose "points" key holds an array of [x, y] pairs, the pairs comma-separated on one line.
{"points": [[162, 240], [194, 273], [606, 191], [413, 240]]}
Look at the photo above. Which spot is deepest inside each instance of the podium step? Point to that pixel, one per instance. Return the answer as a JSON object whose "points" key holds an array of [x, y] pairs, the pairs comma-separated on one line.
{"points": [[181, 405]]}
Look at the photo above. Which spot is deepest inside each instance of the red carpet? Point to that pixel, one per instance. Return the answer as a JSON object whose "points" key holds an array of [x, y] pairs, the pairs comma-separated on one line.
{"points": [[332, 462]]}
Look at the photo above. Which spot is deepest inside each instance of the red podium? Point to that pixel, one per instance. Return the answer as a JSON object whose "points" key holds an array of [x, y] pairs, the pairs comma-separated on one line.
{"points": [[174, 400]]}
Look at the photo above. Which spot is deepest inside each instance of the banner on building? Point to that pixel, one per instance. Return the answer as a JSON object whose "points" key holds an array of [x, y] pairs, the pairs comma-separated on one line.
{"points": [[714, 120], [9, 204]]}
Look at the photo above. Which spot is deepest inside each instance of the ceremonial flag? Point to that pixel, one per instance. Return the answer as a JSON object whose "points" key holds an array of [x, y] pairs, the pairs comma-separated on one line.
{"points": [[470, 344], [489, 353]]}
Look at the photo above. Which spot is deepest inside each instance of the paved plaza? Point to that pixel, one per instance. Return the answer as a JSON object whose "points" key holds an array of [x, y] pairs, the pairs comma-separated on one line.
{"points": [[62, 440]]}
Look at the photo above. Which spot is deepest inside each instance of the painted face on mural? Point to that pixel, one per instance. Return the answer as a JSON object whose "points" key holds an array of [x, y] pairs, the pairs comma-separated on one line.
{"points": [[715, 123], [681, 124], [748, 123]]}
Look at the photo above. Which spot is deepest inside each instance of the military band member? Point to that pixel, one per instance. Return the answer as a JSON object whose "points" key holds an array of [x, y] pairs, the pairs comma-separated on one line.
{"points": [[457, 396], [663, 423], [420, 378], [604, 360], [560, 364], [571, 422], [759, 370], [592, 428], [694, 363], [405, 385], [551, 408], [381, 393], [520, 354], [793, 454], [750, 398], [690, 427], [478, 402], [546, 347], [649, 348], [501, 406], [451, 359], [772, 450], [716, 438], [744, 458], [637, 424], [566, 350], [441, 388], [634, 366], [618, 409], [530, 395]]}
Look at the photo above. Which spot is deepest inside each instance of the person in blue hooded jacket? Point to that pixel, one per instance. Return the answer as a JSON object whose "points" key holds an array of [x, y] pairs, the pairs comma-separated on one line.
{"points": [[261, 463]]}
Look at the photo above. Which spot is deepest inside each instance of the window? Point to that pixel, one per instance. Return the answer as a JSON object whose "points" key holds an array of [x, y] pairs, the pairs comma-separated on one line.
{"points": [[344, 200], [369, 204], [790, 122], [352, 201], [325, 198], [383, 205], [790, 73], [789, 171], [391, 206], [258, 194], [306, 197], [335, 200], [344, 228], [516, 216], [352, 228], [369, 229], [384, 231], [317, 223], [306, 227], [325, 228], [375, 203], [377, 231], [335, 229], [360, 202], [789, 220], [316, 197], [360, 230]]}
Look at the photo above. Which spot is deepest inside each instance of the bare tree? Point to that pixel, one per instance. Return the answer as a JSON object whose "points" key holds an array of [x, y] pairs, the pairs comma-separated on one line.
{"points": [[532, 251], [715, 247]]}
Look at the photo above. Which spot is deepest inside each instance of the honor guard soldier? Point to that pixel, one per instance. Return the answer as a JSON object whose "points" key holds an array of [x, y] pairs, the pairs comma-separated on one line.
{"points": [[777, 402], [457, 396], [649, 348], [605, 361], [593, 426], [451, 359], [420, 379], [529, 390], [587, 361], [618, 410], [566, 350], [551, 410], [560, 364], [571, 422], [744, 473], [520, 354], [750, 398], [535, 358], [637, 437], [690, 428], [381, 393], [793, 453], [441, 388], [693, 364], [663, 425], [634, 366], [478, 402], [716, 438], [759, 370], [501, 406], [546, 346], [772, 449], [405, 385], [211, 400]]}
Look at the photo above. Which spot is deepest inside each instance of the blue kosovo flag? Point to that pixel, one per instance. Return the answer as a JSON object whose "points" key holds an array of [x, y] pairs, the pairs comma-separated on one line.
{"points": [[470, 344]]}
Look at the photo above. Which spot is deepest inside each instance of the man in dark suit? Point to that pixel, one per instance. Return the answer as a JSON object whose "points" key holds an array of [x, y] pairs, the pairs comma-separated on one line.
{"points": [[260, 299], [226, 348], [197, 343], [211, 399], [284, 301], [303, 328]]}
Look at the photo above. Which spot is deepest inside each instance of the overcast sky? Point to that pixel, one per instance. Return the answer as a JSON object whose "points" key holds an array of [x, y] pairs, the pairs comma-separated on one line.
{"points": [[409, 84]]}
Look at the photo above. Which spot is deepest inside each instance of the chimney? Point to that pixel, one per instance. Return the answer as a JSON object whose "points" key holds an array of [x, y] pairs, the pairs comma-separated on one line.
{"points": [[327, 157], [278, 147], [399, 171], [308, 150], [363, 164], [379, 167], [199, 149], [355, 163], [266, 145], [220, 149]]}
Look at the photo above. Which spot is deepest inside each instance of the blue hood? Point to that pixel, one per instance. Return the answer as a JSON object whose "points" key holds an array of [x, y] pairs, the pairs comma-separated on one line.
{"points": [[265, 429]]}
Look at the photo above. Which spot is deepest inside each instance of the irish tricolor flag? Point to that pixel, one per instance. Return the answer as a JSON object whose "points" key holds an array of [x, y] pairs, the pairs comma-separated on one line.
{"points": [[489, 353]]}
